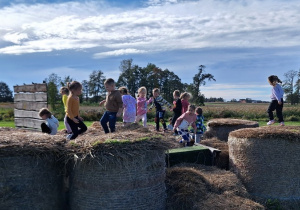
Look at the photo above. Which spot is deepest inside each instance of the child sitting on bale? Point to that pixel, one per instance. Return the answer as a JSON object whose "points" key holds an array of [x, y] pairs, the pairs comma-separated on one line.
{"points": [[183, 122], [51, 124]]}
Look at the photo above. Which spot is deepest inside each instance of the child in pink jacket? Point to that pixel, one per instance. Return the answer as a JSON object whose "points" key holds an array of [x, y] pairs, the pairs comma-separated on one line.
{"points": [[183, 122], [142, 104]]}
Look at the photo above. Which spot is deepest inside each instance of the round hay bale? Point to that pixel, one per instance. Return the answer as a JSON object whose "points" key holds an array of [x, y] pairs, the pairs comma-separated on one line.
{"points": [[120, 175], [267, 161], [31, 171], [194, 186], [220, 128]]}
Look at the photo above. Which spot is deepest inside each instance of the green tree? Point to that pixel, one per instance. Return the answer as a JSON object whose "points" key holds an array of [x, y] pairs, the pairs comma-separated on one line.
{"points": [[198, 80], [5, 93], [66, 80], [53, 83], [288, 86], [96, 85], [85, 90]]}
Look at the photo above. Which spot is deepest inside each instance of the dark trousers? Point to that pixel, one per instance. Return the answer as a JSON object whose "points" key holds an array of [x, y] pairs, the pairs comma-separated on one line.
{"points": [[175, 117], [159, 117], [74, 127], [111, 118], [45, 128], [275, 106]]}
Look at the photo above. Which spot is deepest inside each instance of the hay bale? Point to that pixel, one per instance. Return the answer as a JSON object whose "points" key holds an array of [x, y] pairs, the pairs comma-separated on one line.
{"points": [[120, 175], [31, 171], [203, 187], [220, 128], [222, 160], [267, 161]]}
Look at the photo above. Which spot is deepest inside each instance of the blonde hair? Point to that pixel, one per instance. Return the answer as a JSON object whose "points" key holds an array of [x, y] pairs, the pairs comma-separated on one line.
{"points": [[45, 111], [123, 90], [74, 86], [64, 90], [176, 93], [142, 89], [184, 95]]}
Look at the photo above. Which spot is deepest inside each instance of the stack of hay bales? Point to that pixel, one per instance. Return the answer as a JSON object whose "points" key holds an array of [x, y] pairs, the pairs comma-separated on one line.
{"points": [[267, 161], [31, 171], [120, 175], [220, 128], [203, 187]]}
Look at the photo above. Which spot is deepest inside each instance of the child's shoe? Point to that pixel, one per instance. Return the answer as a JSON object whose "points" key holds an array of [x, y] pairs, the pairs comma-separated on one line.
{"points": [[69, 137], [271, 122], [281, 123]]}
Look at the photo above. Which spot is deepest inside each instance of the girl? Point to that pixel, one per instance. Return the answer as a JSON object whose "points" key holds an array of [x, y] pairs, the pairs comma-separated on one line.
{"points": [[73, 118], [185, 97], [277, 100], [177, 108], [142, 104], [51, 124], [183, 122], [129, 106], [64, 91]]}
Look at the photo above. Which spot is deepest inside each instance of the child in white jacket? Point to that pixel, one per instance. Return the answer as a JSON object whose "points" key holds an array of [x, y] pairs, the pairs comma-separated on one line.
{"points": [[51, 124]]}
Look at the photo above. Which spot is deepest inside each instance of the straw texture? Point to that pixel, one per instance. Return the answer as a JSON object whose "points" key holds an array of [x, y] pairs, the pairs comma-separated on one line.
{"points": [[267, 161], [220, 128]]}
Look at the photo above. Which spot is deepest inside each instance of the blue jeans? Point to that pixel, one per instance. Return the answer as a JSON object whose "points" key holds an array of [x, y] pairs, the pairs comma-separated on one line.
{"points": [[111, 118]]}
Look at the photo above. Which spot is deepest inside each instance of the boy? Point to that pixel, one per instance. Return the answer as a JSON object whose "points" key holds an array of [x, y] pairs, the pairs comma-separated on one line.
{"points": [[113, 105], [176, 109], [200, 125], [51, 124], [160, 104]]}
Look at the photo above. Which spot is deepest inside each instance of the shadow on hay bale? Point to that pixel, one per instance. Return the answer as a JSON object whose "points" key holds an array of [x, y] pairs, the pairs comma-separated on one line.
{"points": [[31, 171], [120, 175], [267, 161], [220, 128], [202, 187], [222, 160]]}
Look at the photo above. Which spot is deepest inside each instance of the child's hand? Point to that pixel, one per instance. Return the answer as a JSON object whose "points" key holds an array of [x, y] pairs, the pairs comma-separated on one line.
{"points": [[279, 102], [75, 120], [80, 118], [102, 102]]}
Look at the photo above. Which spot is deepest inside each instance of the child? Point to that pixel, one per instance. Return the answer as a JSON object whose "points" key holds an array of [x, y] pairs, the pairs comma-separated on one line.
{"points": [[113, 105], [142, 104], [51, 124], [277, 100], [64, 91], [129, 105], [200, 125], [73, 117], [183, 122], [160, 104], [177, 108], [170, 126], [185, 97]]}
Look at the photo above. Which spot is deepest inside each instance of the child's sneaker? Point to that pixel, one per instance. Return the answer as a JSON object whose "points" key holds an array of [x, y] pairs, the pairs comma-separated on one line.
{"points": [[69, 137], [271, 122], [281, 123]]}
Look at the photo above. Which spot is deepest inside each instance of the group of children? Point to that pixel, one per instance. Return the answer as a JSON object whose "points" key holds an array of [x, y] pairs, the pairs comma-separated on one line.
{"points": [[120, 101]]}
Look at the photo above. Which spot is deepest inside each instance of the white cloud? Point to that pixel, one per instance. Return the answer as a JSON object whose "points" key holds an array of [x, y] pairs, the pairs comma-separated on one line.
{"points": [[161, 26]]}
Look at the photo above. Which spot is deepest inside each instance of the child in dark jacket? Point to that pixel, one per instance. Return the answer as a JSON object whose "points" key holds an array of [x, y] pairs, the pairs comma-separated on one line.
{"points": [[177, 108]]}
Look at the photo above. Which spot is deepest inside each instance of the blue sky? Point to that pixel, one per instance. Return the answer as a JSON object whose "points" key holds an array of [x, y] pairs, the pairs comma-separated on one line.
{"points": [[240, 42]]}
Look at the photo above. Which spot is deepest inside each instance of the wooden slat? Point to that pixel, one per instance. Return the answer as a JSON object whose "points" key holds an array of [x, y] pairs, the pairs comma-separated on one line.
{"points": [[31, 88], [37, 97], [28, 123], [26, 114], [30, 105]]}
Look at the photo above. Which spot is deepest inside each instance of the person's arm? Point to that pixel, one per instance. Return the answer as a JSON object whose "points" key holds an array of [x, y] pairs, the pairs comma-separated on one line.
{"points": [[119, 101], [277, 93]]}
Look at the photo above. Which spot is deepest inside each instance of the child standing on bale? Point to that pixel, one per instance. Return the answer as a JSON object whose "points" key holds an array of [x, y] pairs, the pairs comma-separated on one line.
{"points": [[185, 97], [51, 124], [73, 117], [64, 91], [113, 105], [183, 122], [277, 100], [160, 104], [200, 125], [177, 108], [129, 105], [142, 104]]}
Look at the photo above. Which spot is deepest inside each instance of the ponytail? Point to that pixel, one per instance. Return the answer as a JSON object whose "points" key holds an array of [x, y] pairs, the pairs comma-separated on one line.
{"points": [[274, 78]]}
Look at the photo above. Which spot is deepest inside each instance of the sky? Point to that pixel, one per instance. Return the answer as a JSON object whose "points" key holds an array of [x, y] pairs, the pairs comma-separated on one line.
{"points": [[240, 42]]}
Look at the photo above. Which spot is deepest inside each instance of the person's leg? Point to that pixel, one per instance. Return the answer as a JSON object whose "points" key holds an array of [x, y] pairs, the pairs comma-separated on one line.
{"points": [[104, 120], [45, 128], [138, 118], [82, 127], [157, 120], [175, 117], [69, 130], [279, 111], [74, 127], [144, 119], [162, 120], [271, 108], [112, 121]]}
